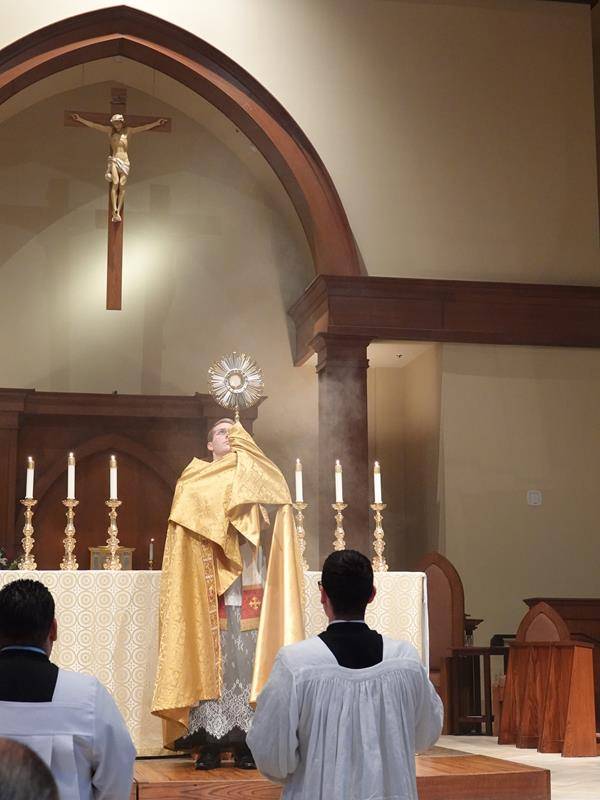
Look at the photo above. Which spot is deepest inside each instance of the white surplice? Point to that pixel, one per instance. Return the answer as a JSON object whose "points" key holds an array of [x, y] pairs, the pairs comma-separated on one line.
{"points": [[327, 732], [80, 735]]}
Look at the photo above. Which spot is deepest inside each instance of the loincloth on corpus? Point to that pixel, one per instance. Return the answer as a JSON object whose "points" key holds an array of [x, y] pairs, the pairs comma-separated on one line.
{"points": [[122, 167]]}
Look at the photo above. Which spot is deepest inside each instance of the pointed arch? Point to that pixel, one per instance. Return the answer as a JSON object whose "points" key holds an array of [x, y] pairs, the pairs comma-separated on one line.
{"points": [[106, 443], [142, 37], [542, 623]]}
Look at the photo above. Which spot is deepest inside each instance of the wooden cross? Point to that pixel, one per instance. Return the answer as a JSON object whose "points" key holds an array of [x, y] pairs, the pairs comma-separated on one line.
{"points": [[114, 265]]}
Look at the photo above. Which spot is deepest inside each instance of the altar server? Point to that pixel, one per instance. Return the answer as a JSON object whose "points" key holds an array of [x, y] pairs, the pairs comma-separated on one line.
{"points": [[343, 714], [67, 718]]}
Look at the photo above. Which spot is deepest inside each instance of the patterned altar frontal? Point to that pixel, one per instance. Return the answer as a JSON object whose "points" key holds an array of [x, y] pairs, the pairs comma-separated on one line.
{"points": [[108, 627]]}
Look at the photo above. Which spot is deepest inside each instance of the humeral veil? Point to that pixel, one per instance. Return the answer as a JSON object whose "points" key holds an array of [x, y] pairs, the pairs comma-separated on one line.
{"points": [[214, 504]]}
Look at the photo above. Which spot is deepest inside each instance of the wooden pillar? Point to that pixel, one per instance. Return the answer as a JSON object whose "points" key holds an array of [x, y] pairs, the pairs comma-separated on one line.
{"points": [[342, 368], [9, 423]]}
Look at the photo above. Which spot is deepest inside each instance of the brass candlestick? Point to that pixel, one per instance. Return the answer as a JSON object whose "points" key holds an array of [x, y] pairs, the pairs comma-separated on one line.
{"points": [[339, 542], [112, 559], [300, 508], [379, 562], [69, 561], [27, 561]]}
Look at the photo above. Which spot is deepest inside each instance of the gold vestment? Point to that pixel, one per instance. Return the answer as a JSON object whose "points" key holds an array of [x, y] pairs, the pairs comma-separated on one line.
{"points": [[214, 503]]}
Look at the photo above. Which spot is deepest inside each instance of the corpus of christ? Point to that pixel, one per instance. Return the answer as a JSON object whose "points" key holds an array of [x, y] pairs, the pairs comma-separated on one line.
{"points": [[119, 132], [298, 402]]}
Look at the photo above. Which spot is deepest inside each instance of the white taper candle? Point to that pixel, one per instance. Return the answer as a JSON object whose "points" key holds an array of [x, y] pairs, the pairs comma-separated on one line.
{"points": [[113, 478], [377, 482], [151, 551], [71, 477], [299, 491], [339, 493], [29, 481]]}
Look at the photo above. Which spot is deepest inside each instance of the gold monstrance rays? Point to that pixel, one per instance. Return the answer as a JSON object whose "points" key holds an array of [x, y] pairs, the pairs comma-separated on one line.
{"points": [[236, 381]]}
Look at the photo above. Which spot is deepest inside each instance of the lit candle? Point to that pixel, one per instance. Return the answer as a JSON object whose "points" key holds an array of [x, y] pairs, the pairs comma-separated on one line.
{"points": [[113, 478], [377, 482], [71, 477], [299, 492], [339, 495], [151, 551], [29, 481]]}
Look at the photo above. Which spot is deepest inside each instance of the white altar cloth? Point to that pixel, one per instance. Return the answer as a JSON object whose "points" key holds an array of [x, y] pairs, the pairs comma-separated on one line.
{"points": [[108, 627]]}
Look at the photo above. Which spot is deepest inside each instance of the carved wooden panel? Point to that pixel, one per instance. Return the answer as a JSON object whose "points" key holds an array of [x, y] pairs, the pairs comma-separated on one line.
{"points": [[154, 438]]}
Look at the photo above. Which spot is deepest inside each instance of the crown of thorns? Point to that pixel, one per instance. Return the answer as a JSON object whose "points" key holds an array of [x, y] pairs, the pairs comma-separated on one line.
{"points": [[117, 118]]}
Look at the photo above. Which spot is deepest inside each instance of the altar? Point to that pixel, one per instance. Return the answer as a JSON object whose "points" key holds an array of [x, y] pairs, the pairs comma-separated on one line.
{"points": [[108, 627]]}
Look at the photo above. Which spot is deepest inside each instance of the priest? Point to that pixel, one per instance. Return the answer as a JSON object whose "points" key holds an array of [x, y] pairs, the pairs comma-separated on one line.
{"points": [[223, 616]]}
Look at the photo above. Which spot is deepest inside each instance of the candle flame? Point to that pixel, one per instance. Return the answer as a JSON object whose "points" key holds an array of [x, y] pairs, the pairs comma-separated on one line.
{"points": [[338, 466], [71, 459], [376, 467], [298, 465], [113, 461], [151, 540], [30, 462]]}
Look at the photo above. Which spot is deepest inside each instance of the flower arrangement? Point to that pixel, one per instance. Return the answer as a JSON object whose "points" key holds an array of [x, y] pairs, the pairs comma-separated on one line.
{"points": [[5, 563]]}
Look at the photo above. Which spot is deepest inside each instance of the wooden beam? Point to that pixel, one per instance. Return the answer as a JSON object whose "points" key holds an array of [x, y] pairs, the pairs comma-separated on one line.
{"points": [[104, 119], [446, 311], [114, 261], [31, 403]]}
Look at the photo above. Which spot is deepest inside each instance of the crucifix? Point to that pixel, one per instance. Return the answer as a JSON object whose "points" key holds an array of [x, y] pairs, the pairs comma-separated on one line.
{"points": [[118, 165]]}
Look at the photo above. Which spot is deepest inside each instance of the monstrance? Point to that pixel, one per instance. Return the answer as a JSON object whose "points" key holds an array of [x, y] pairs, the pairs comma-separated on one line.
{"points": [[235, 381]]}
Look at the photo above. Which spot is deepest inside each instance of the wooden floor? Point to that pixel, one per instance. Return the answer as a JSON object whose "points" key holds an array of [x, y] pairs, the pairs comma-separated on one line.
{"points": [[441, 775]]}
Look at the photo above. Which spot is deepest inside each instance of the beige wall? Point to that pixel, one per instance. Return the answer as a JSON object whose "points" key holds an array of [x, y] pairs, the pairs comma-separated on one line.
{"points": [[385, 396], [516, 419], [212, 259], [404, 430], [422, 409], [462, 433], [459, 133]]}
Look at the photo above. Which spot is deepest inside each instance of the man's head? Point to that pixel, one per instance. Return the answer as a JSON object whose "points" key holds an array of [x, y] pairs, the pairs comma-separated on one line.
{"points": [[346, 585], [23, 774], [27, 615], [117, 121], [218, 438]]}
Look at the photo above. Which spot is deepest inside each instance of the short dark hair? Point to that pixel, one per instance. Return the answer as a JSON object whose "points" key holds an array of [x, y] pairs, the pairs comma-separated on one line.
{"points": [[23, 774], [26, 612], [347, 578]]}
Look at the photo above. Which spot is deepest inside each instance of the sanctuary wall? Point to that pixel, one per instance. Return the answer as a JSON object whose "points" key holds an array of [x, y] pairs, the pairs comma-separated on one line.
{"points": [[460, 134], [516, 419], [460, 137]]}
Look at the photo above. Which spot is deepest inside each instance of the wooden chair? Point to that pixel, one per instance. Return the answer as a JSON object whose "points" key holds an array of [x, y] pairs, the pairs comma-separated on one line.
{"points": [[446, 600]]}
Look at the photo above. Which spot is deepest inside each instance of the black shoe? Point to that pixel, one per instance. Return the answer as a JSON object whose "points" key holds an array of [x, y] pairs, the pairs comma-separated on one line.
{"points": [[244, 760], [189, 742], [208, 759]]}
